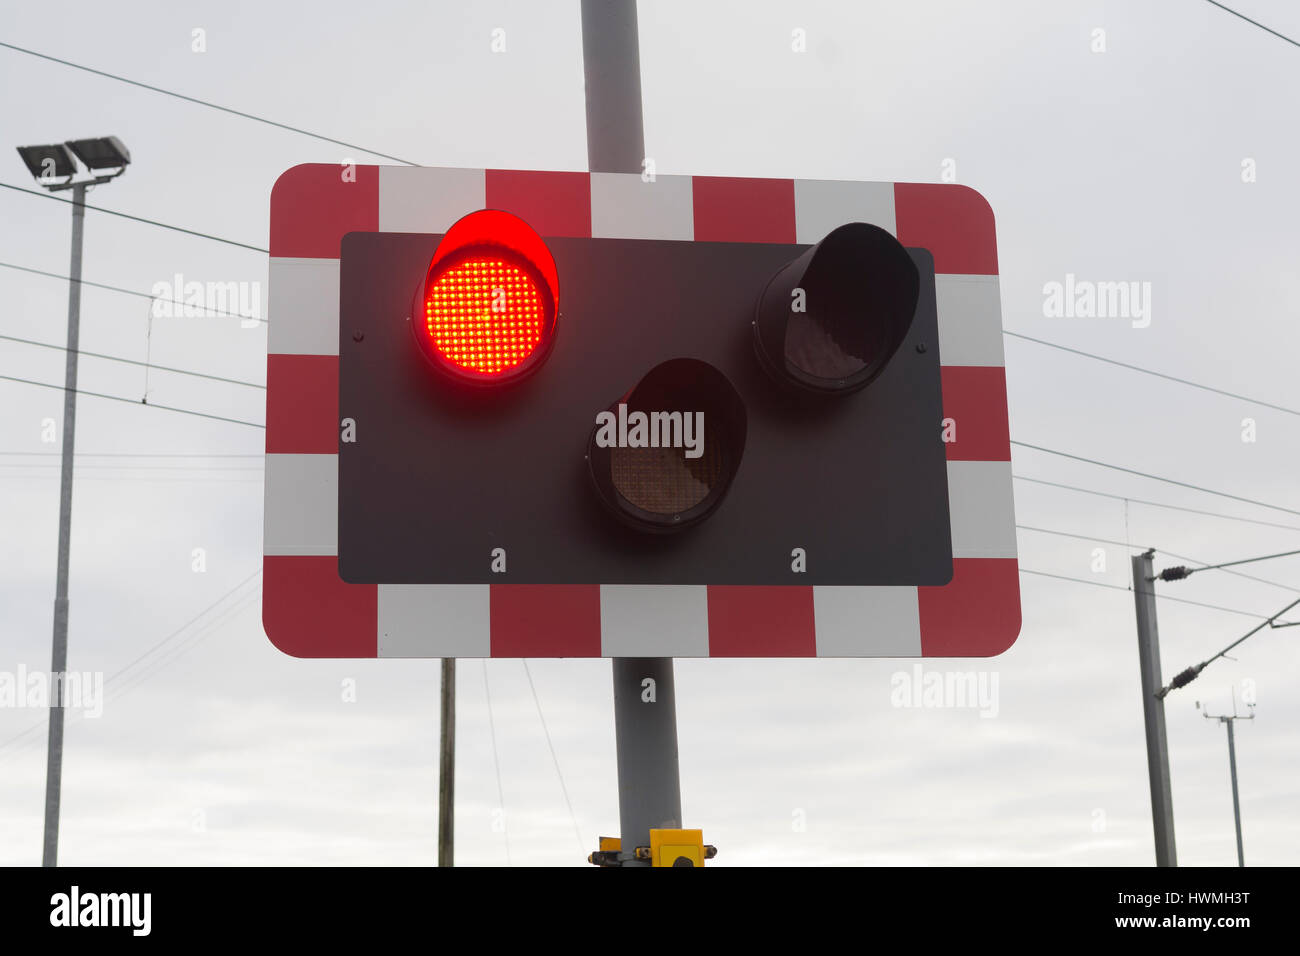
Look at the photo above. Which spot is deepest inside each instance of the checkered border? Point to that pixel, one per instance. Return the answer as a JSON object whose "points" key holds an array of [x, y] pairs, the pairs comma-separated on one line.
{"points": [[309, 612]]}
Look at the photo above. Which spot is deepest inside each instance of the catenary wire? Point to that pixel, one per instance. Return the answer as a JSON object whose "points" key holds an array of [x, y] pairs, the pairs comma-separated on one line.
{"points": [[213, 106], [1159, 597], [1229, 564], [140, 295], [127, 215], [1155, 504], [1144, 474], [131, 401], [1172, 554], [1147, 371], [1253, 22], [127, 361]]}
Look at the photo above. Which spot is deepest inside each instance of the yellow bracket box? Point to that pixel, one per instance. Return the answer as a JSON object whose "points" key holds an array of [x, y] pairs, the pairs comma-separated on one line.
{"points": [[677, 848]]}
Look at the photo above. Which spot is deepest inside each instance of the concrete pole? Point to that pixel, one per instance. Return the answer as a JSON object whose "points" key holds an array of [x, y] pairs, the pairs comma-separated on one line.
{"points": [[59, 658], [1153, 710]]}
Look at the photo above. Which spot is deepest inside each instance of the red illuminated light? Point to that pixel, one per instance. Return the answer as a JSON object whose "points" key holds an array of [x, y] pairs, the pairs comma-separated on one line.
{"points": [[489, 300], [485, 315]]}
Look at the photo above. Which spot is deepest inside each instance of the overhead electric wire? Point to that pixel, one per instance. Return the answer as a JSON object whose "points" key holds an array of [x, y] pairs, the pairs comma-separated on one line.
{"points": [[1229, 564], [554, 759], [180, 630], [496, 761], [141, 454], [1156, 504], [172, 636], [1147, 371], [143, 479], [96, 466], [113, 692], [1082, 537], [1144, 474], [127, 361], [1027, 338], [129, 467], [1181, 557], [1050, 451], [1253, 22], [1161, 597], [127, 215], [1181, 573], [212, 106], [176, 652], [1036, 481], [131, 401], [141, 295]]}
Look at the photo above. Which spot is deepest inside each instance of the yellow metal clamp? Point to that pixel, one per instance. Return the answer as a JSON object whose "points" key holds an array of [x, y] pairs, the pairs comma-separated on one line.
{"points": [[667, 848]]}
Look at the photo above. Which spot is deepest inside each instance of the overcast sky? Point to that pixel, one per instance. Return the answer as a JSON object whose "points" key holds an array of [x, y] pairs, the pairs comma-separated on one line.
{"points": [[1122, 165]]}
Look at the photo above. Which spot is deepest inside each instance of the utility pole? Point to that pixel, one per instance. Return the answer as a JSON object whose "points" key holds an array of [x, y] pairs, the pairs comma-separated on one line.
{"points": [[54, 168], [1232, 766], [645, 709], [447, 767], [1153, 710]]}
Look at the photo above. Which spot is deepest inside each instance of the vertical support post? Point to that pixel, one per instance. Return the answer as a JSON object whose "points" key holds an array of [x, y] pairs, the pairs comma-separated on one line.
{"points": [[59, 656], [1153, 710], [645, 728], [447, 767], [1236, 803], [645, 731], [611, 64]]}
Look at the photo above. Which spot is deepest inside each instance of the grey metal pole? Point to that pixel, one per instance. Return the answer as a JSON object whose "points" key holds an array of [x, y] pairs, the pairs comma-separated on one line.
{"points": [[1153, 710], [59, 658], [611, 62], [645, 706], [1236, 803], [645, 732], [447, 767]]}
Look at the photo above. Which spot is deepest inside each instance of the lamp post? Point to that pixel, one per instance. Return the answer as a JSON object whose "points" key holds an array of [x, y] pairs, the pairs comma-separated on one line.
{"points": [[55, 168]]}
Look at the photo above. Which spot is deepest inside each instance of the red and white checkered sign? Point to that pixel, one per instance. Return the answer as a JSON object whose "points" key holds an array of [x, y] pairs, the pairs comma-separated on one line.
{"points": [[309, 612]]}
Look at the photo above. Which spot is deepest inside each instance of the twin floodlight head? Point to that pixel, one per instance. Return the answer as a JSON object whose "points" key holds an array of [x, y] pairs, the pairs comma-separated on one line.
{"points": [[54, 167]]}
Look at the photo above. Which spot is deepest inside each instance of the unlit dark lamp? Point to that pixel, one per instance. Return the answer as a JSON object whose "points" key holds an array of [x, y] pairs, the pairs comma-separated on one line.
{"points": [[47, 162], [106, 152], [830, 320]]}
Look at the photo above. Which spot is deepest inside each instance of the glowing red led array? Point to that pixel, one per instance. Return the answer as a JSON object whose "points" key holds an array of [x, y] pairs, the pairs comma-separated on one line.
{"points": [[485, 314]]}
